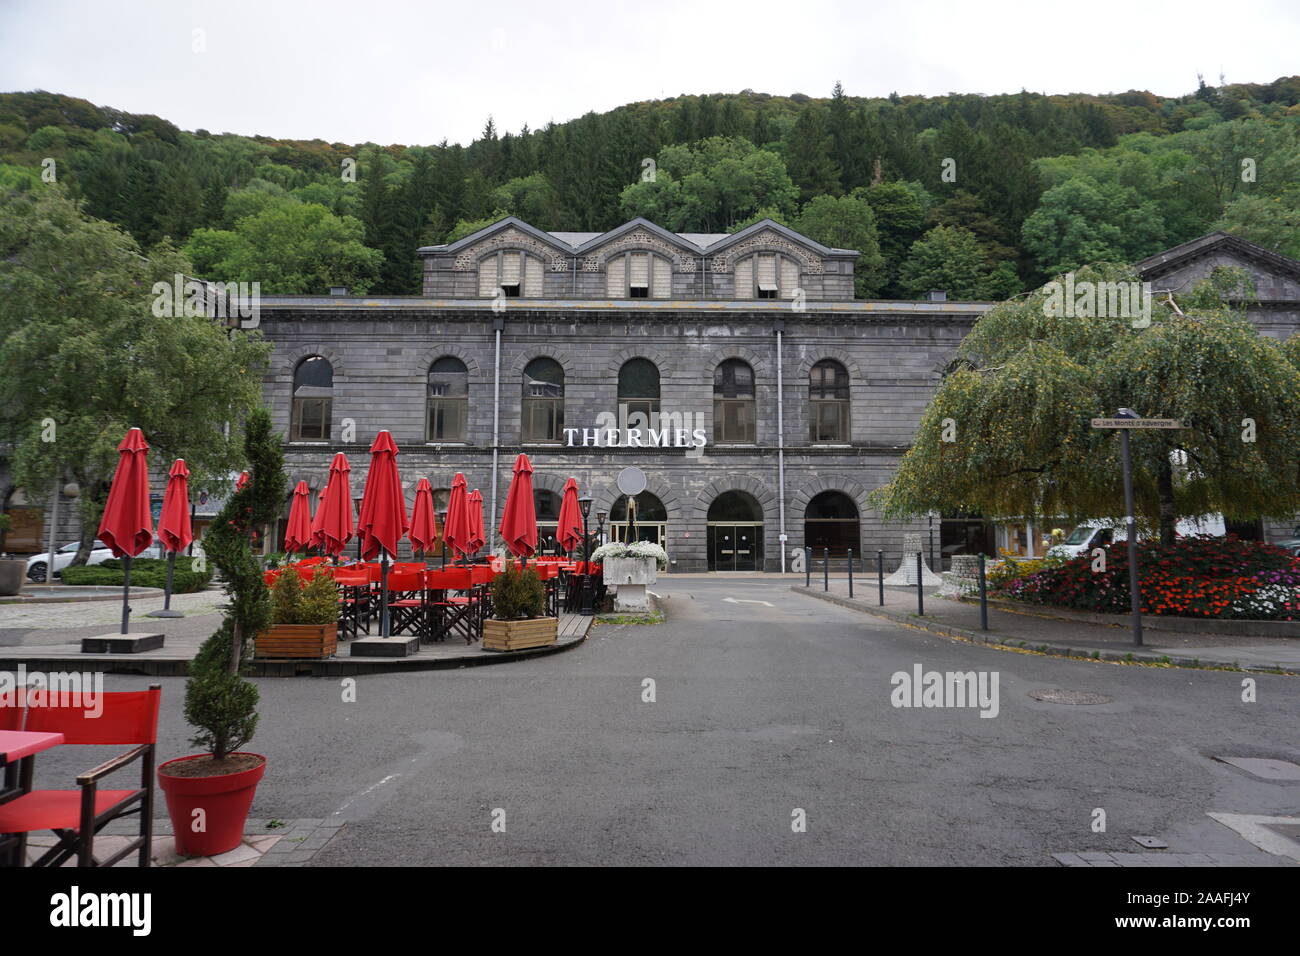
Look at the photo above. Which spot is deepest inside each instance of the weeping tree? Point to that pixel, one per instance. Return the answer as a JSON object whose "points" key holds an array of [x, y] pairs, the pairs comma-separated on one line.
{"points": [[1008, 434], [219, 701]]}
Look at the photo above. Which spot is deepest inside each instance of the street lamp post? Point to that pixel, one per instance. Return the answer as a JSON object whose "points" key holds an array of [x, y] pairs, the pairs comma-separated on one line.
{"points": [[584, 505], [1131, 521]]}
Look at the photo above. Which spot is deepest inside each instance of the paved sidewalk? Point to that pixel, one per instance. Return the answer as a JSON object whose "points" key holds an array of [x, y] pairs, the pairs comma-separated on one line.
{"points": [[265, 843], [1075, 639]]}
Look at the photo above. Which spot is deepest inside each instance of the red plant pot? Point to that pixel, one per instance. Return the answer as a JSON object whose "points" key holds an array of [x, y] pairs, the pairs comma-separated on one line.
{"points": [[223, 799]]}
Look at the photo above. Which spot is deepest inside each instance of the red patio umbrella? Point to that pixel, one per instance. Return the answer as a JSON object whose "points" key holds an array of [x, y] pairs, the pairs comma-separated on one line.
{"points": [[456, 529], [127, 525], [519, 521], [424, 523], [476, 530], [174, 527], [383, 513], [297, 534], [569, 532], [332, 526]]}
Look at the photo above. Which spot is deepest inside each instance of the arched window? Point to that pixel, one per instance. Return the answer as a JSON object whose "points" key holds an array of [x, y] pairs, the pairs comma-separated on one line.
{"points": [[828, 402], [543, 402], [448, 400], [638, 389], [547, 506], [651, 520], [766, 275], [313, 400], [831, 522], [733, 404]]}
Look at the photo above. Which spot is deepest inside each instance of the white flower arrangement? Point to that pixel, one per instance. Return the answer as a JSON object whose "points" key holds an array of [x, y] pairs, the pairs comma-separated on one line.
{"points": [[638, 549]]}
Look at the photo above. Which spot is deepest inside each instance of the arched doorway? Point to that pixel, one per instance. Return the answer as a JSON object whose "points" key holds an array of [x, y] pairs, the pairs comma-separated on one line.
{"points": [[831, 521], [735, 531], [651, 520]]}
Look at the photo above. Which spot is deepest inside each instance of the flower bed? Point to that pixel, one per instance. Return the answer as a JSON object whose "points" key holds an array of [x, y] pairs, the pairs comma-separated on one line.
{"points": [[1198, 577]]}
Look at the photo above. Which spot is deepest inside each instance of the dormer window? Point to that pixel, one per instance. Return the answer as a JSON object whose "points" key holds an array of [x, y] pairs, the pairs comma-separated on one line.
{"points": [[638, 275], [510, 273], [767, 275]]}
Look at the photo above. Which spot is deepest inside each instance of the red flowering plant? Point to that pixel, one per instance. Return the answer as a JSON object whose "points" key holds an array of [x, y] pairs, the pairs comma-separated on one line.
{"points": [[1199, 576]]}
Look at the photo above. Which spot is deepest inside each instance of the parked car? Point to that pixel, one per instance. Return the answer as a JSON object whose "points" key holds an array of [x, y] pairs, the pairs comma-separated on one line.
{"points": [[1292, 545], [1101, 532], [37, 563]]}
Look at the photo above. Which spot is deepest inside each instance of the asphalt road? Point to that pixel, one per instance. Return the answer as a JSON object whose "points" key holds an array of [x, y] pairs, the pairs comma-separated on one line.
{"points": [[759, 711]]}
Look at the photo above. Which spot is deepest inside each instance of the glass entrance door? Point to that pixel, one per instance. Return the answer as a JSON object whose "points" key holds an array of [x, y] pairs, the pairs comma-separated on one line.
{"points": [[735, 547]]}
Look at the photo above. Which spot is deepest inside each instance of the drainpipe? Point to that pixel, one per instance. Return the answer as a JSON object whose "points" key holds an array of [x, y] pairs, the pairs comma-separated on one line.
{"points": [[498, 323], [780, 443]]}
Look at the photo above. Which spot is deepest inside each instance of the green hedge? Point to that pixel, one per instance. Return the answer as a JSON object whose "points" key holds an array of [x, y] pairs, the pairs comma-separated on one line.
{"points": [[145, 573]]}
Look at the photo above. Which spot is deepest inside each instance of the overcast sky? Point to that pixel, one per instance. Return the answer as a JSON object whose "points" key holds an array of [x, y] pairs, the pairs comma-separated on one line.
{"points": [[383, 71]]}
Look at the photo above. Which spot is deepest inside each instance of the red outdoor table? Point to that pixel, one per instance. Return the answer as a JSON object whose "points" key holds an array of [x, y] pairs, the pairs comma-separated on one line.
{"points": [[18, 750]]}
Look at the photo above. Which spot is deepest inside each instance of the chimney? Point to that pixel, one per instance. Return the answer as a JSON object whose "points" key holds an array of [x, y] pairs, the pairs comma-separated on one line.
{"points": [[338, 290], [937, 295]]}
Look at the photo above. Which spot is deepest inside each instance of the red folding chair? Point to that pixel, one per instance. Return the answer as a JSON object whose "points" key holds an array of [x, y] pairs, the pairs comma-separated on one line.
{"points": [[354, 599], [76, 816], [407, 604], [452, 612]]}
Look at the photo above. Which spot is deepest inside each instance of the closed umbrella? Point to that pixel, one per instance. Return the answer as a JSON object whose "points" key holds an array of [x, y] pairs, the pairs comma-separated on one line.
{"points": [[569, 532], [383, 513], [174, 529], [424, 523], [477, 533], [456, 529], [519, 521], [297, 534], [241, 481], [332, 526], [127, 524]]}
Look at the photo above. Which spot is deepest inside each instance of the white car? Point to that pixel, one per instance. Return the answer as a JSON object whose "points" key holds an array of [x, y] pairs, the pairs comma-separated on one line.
{"points": [[36, 564], [1101, 532]]}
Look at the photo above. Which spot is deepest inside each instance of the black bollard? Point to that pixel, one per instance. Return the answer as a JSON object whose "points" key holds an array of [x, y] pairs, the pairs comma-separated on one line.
{"points": [[984, 597], [850, 572], [920, 594], [826, 569], [880, 574]]}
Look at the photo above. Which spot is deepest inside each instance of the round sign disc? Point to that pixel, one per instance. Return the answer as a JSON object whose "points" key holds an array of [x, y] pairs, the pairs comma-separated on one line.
{"points": [[631, 480]]}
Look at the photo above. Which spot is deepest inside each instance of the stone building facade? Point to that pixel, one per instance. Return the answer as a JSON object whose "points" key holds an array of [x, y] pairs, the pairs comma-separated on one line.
{"points": [[740, 331]]}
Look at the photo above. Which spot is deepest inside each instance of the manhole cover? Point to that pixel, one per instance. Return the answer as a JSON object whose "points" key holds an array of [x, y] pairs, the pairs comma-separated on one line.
{"points": [[1075, 697]]}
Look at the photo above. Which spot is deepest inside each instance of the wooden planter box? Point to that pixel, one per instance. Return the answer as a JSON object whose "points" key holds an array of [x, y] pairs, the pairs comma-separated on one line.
{"points": [[519, 635], [314, 641]]}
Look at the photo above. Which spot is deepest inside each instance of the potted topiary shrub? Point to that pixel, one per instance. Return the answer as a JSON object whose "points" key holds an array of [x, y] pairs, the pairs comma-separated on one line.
{"points": [[304, 618], [209, 794], [518, 612]]}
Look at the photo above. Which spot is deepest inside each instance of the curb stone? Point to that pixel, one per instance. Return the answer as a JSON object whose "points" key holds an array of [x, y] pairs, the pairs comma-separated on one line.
{"points": [[993, 639]]}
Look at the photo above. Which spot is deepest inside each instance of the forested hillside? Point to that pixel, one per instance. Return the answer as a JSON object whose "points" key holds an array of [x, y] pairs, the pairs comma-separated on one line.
{"points": [[979, 195]]}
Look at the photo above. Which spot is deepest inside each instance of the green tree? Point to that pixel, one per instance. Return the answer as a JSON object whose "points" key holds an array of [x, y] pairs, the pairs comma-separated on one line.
{"points": [[86, 354], [1082, 221], [289, 248], [809, 156], [948, 258], [847, 222], [1008, 434]]}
